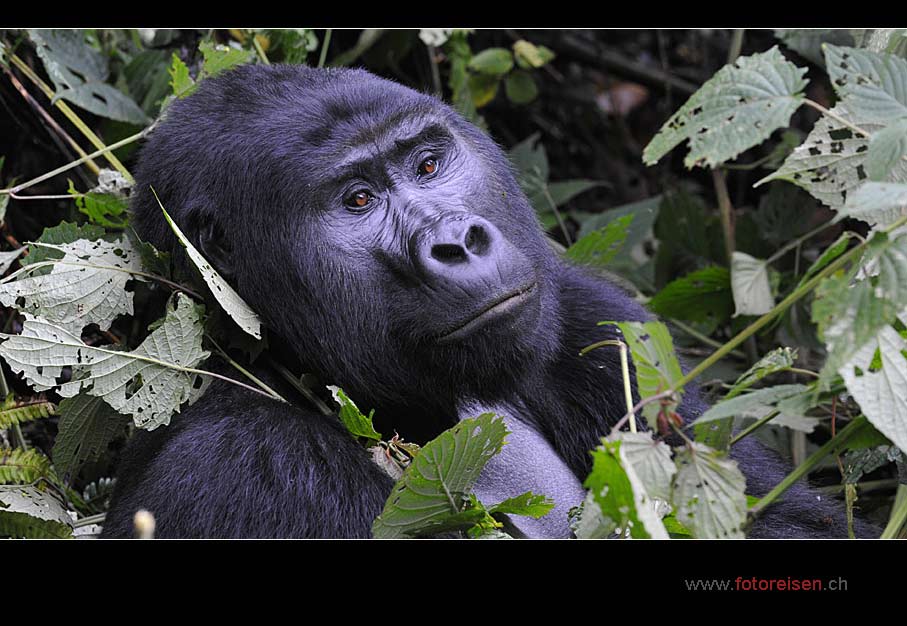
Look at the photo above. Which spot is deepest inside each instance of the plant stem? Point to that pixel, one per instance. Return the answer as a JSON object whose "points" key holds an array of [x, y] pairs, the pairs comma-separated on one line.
{"points": [[749, 429], [245, 372], [898, 514], [725, 212], [260, 50], [821, 109], [71, 116], [798, 241], [692, 332], [736, 45], [435, 73], [324, 47], [301, 388], [89, 520], [557, 216], [832, 446]]}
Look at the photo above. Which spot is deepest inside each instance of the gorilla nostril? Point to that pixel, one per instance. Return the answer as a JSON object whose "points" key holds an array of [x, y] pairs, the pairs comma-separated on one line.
{"points": [[477, 240], [448, 253]]}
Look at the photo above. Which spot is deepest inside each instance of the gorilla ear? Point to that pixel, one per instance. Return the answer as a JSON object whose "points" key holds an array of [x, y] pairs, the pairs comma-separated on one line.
{"points": [[215, 248]]}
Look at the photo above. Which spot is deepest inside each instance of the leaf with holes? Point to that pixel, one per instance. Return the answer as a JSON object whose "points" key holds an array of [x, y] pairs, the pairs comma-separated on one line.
{"points": [[881, 391], [878, 204], [778, 360], [79, 73], [26, 512], [873, 84], [62, 233], [149, 383], [435, 486], [650, 459], [709, 494], [87, 425], [750, 285], [741, 404], [87, 285], [226, 296], [738, 108], [886, 148]]}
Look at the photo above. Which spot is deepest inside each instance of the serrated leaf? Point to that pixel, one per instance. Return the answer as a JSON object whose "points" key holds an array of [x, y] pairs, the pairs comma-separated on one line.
{"points": [[600, 246], [358, 424], [226, 296], [877, 204], [62, 233], [219, 58], [750, 285], [529, 55], [87, 285], [520, 87], [87, 425], [657, 368], [18, 465], [181, 83], [620, 501], [149, 383], [874, 84], [651, 460], [105, 209], [78, 73], [881, 392], [12, 412], [886, 148], [741, 404], [528, 504], [700, 296], [435, 485], [26, 512], [778, 360], [493, 61], [738, 108], [709, 494]]}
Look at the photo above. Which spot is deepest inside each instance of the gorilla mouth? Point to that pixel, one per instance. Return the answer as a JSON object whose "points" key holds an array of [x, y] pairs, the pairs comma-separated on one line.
{"points": [[507, 303]]}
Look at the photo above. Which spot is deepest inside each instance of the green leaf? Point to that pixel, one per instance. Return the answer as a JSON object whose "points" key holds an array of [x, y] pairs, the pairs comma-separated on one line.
{"points": [[657, 368], [878, 204], [106, 210], [618, 501], [358, 424], [87, 285], [494, 61], [738, 108], [520, 87], [79, 74], [226, 296], [62, 233], [741, 404], [149, 383], [808, 41], [26, 512], [367, 38], [831, 253], [651, 460], [87, 426], [700, 296], [434, 487], [778, 360], [12, 412], [873, 84], [22, 466], [600, 246], [483, 88], [750, 285], [886, 148], [528, 504], [180, 81], [709, 493], [881, 392], [219, 58], [529, 55]]}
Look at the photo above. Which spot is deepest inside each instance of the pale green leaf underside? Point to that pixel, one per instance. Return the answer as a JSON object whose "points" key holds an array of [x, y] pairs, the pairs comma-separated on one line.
{"points": [[878, 204], [653, 355], [750, 285], [7, 258], [26, 512], [651, 460], [874, 84], [739, 405], [709, 494], [738, 108], [778, 360]]}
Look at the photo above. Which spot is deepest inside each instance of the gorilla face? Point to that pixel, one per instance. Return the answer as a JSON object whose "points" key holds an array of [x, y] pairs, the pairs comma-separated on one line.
{"points": [[367, 223]]}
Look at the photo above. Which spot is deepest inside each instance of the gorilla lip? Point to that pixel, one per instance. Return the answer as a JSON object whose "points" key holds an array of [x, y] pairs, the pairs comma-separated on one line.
{"points": [[507, 302]]}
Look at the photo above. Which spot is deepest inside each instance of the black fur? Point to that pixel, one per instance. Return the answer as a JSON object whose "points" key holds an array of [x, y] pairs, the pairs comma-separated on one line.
{"points": [[247, 168]]}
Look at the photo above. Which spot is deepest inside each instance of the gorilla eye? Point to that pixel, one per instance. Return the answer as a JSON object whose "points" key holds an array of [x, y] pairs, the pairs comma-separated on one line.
{"points": [[358, 199], [428, 166]]}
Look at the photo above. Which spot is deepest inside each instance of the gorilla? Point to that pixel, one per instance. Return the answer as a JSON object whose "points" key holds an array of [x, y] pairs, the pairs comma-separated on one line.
{"points": [[387, 246]]}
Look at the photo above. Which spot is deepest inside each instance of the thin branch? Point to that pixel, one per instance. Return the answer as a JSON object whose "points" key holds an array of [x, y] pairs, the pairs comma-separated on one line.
{"points": [[324, 47]]}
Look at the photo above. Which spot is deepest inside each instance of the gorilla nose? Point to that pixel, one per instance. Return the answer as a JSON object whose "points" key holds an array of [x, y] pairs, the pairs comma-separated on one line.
{"points": [[459, 247]]}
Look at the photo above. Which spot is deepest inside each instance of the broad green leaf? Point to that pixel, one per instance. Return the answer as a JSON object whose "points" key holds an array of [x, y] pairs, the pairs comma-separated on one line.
{"points": [[600, 246], [618, 501], [79, 73], [563, 191], [881, 392], [494, 61], [219, 57], [18, 465], [860, 462], [528, 504], [87, 426], [700, 296], [529, 55], [107, 210], [180, 82], [26, 512], [87, 285], [434, 487], [62, 233], [738, 108], [778, 360], [657, 368], [355, 421], [750, 285], [709, 494], [149, 383], [8, 258], [787, 419], [229, 300], [12, 412], [483, 88], [741, 404], [651, 460], [520, 87], [878, 204], [886, 148], [873, 84]]}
